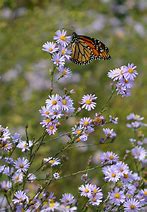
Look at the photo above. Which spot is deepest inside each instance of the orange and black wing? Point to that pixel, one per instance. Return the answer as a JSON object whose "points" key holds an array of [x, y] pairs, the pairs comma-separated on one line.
{"points": [[86, 49]]}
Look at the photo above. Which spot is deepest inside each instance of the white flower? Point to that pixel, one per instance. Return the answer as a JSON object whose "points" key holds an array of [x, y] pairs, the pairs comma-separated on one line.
{"points": [[49, 47], [87, 101]]}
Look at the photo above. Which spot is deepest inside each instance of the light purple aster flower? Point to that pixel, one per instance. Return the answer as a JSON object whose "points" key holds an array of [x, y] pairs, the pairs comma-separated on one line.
{"points": [[111, 173], [85, 190], [77, 130], [31, 177], [135, 124], [58, 60], [113, 120], [86, 121], [88, 102], [116, 74], [65, 52], [20, 197], [52, 161], [129, 72], [67, 199], [117, 196], [6, 145], [21, 164], [66, 103], [108, 158], [54, 102], [122, 167], [4, 133], [131, 205], [24, 146], [51, 128], [50, 47], [64, 72], [62, 38], [135, 117], [122, 90], [17, 177], [56, 175], [96, 199], [109, 133], [139, 153], [5, 185], [16, 138]]}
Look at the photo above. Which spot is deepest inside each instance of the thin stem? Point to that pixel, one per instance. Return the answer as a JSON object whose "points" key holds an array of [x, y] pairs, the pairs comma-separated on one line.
{"points": [[11, 209], [108, 100]]}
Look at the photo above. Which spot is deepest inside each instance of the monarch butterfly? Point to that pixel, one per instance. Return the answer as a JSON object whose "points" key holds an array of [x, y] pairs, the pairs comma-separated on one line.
{"points": [[86, 49]]}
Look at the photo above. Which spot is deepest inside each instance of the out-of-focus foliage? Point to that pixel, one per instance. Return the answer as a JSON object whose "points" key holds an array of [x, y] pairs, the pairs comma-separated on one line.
{"points": [[24, 68]]}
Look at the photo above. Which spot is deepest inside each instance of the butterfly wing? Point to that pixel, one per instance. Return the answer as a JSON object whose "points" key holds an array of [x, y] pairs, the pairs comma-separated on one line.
{"points": [[86, 49]]}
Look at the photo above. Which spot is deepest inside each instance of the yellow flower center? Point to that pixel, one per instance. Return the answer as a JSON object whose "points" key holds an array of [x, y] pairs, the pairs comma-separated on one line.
{"points": [[52, 204], [51, 161], [64, 102], [86, 123], [117, 196], [48, 120], [111, 157], [50, 49], [78, 132], [54, 102], [95, 191], [64, 72], [21, 165], [130, 70], [126, 176], [62, 37], [113, 175], [88, 101], [86, 190], [145, 193], [132, 206], [51, 127], [78, 140], [126, 81], [63, 51]]}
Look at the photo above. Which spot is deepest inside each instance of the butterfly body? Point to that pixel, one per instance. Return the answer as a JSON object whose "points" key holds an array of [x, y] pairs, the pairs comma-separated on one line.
{"points": [[86, 49]]}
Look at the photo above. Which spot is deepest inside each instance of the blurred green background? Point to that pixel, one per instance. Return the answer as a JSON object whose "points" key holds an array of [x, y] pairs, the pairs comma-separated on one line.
{"points": [[24, 68]]}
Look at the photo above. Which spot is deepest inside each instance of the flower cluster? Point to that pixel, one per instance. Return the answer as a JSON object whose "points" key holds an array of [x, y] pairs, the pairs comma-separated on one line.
{"points": [[124, 78], [60, 53], [86, 126], [92, 192], [55, 108], [135, 121]]}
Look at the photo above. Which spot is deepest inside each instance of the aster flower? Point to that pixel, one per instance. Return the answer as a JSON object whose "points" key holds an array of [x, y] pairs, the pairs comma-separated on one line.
{"points": [[113, 120], [65, 52], [54, 102], [51, 128], [139, 153], [24, 146], [5, 185], [130, 72], [77, 130], [116, 74], [64, 72], [17, 177], [116, 196], [98, 120], [67, 199], [67, 103], [52, 161], [5, 145], [131, 205], [135, 117], [109, 133], [4, 133], [135, 124], [50, 47], [111, 173], [85, 190], [86, 121], [21, 164], [16, 138], [122, 167], [108, 158], [95, 200], [58, 60], [62, 38], [31, 177], [56, 175], [87, 102], [20, 197]]}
